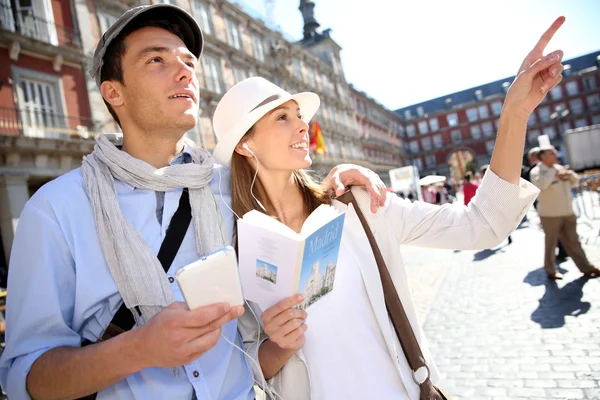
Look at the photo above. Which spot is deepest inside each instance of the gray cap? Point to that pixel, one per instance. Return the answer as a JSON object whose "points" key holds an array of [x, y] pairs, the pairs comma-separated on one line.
{"points": [[190, 30]]}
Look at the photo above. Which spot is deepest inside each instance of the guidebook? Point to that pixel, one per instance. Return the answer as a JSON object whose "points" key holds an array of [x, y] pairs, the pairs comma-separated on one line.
{"points": [[276, 262]]}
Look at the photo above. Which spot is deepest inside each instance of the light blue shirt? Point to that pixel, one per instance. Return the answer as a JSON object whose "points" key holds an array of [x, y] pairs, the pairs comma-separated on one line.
{"points": [[61, 290]]}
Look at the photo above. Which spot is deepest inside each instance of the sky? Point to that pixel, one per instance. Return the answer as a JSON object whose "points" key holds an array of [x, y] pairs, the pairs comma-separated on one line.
{"points": [[404, 52]]}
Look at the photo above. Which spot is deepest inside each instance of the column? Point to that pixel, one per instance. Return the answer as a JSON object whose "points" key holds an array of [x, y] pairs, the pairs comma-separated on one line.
{"points": [[14, 193]]}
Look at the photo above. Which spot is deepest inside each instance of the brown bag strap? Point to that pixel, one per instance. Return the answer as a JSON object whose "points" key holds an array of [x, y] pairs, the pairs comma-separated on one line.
{"points": [[400, 321]]}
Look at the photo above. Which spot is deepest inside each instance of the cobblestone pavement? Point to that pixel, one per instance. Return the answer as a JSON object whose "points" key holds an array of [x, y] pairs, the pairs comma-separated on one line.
{"points": [[499, 329]]}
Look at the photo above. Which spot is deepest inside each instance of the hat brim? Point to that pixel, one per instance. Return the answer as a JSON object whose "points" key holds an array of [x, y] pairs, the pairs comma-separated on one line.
{"points": [[308, 103]]}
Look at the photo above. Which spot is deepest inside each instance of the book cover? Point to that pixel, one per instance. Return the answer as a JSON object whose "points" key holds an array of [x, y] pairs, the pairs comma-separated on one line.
{"points": [[275, 262]]}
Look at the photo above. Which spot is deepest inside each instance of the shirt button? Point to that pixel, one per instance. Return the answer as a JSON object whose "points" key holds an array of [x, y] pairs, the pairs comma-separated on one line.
{"points": [[171, 279], [196, 374]]}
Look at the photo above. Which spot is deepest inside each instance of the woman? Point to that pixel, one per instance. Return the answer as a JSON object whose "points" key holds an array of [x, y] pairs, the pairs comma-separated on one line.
{"points": [[469, 188], [351, 351]]}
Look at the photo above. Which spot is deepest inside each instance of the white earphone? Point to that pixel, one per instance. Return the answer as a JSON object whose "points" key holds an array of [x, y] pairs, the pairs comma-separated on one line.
{"points": [[245, 146]]}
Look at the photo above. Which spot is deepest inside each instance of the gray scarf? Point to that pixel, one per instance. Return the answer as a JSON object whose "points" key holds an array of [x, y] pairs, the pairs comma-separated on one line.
{"points": [[139, 276]]}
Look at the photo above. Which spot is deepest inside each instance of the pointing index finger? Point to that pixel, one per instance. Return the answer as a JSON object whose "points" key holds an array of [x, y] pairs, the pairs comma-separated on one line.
{"points": [[547, 36]]}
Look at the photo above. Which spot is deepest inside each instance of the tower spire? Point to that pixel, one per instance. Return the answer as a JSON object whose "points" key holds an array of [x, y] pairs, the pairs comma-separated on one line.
{"points": [[310, 23]]}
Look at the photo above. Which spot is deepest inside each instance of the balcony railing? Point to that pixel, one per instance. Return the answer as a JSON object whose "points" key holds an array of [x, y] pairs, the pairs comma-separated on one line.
{"points": [[35, 123], [27, 24]]}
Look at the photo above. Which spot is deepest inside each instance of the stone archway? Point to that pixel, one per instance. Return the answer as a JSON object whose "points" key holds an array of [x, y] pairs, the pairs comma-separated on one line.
{"points": [[460, 161]]}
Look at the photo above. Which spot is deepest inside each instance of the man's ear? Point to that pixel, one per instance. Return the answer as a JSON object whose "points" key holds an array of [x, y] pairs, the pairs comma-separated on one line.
{"points": [[111, 92]]}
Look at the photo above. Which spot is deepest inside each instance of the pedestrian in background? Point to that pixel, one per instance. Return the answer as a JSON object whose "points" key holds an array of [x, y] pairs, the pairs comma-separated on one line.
{"points": [[555, 207], [469, 188]]}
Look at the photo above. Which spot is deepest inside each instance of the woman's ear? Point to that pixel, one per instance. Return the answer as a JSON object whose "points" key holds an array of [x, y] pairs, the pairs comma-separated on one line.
{"points": [[241, 149]]}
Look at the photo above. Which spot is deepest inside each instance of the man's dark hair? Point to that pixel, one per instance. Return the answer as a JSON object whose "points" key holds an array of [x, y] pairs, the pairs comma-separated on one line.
{"points": [[112, 68], [468, 176]]}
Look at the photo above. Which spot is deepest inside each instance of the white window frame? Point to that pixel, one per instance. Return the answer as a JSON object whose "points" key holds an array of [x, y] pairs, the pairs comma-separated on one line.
{"points": [[576, 105], [580, 122], [496, 107], [239, 74], [438, 142], [572, 88], [426, 143], [556, 92], [487, 128], [434, 124], [411, 130], [475, 131], [414, 146], [32, 27], [472, 115], [483, 111], [544, 113], [593, 101], [452, 119], [550, 131], [423, 127], [212, 73], [456, 135], [53, 108], [203, 16], [233, 34], [257, 45]]}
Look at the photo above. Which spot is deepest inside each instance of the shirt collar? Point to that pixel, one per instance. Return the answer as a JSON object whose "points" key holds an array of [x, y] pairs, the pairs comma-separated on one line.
{"points": [[183, 157]]}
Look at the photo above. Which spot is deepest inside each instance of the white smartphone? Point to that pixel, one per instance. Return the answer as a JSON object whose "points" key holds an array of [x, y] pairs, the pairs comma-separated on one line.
{"points": [[212, 279]]}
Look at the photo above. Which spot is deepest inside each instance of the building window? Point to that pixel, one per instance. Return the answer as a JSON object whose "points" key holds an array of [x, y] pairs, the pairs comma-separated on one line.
{"points": [[259, 51], [105, 20], [423, 127], [212, 74], [593, 101], [572, 88], [472, 114], [544, 113], [532, 119], [497, 124], [532, 136], [565, 126], [310, 75], [456, 136], [556, 93], [414, 146], [489, 146], [430, 160], [233, 34], [437, 141], [434, 124], [576, 106], [488, 129], [297, 68], [39, 103], [497, 108], [240, 74], [420, 112], [410, 131], [589, 83], [505, 86], [475, 132], [483, 111], [595, 119], [550, 131], [452, 119], [580, 123], [426, 143], [202, 14], [417, 162]]}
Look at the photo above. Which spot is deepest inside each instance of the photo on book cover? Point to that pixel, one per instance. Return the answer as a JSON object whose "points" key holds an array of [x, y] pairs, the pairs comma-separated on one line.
{"points": [[266, 271], [319, 263]]}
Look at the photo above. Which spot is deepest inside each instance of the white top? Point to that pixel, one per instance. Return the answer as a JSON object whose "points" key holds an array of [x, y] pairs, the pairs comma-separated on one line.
{"points": [[330, 349]]}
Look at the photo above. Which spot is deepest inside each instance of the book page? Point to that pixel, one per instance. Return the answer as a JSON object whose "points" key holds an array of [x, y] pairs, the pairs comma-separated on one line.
{"points": [[319, 261], [267, 264]]}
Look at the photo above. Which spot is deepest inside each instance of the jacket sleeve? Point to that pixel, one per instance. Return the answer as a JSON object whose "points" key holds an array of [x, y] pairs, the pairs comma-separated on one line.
{"points": [[542, 178], [494, 212]]}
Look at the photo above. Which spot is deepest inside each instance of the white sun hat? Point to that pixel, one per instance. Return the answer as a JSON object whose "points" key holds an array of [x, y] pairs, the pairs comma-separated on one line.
{"points": [[247, 102]]}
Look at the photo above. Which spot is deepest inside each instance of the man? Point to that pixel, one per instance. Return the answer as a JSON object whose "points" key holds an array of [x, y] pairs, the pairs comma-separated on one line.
{"points": [[532, 157], [555, 207], [88, 241]]}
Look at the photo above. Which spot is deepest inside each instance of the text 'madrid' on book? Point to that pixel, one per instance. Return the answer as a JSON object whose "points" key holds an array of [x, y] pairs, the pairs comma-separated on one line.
{"points": [[276, 262]]}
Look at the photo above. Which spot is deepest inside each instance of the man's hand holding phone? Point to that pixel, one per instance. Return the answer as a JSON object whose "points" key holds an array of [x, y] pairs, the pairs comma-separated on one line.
{"points": [[177, 335]]}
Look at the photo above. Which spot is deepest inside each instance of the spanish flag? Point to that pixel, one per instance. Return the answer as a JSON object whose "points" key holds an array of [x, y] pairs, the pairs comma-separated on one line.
{"points": [[317, 144]]}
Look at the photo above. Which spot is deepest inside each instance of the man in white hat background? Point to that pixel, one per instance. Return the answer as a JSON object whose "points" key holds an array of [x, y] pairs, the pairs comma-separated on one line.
{"points": [[96, 250], [555, 208]]}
